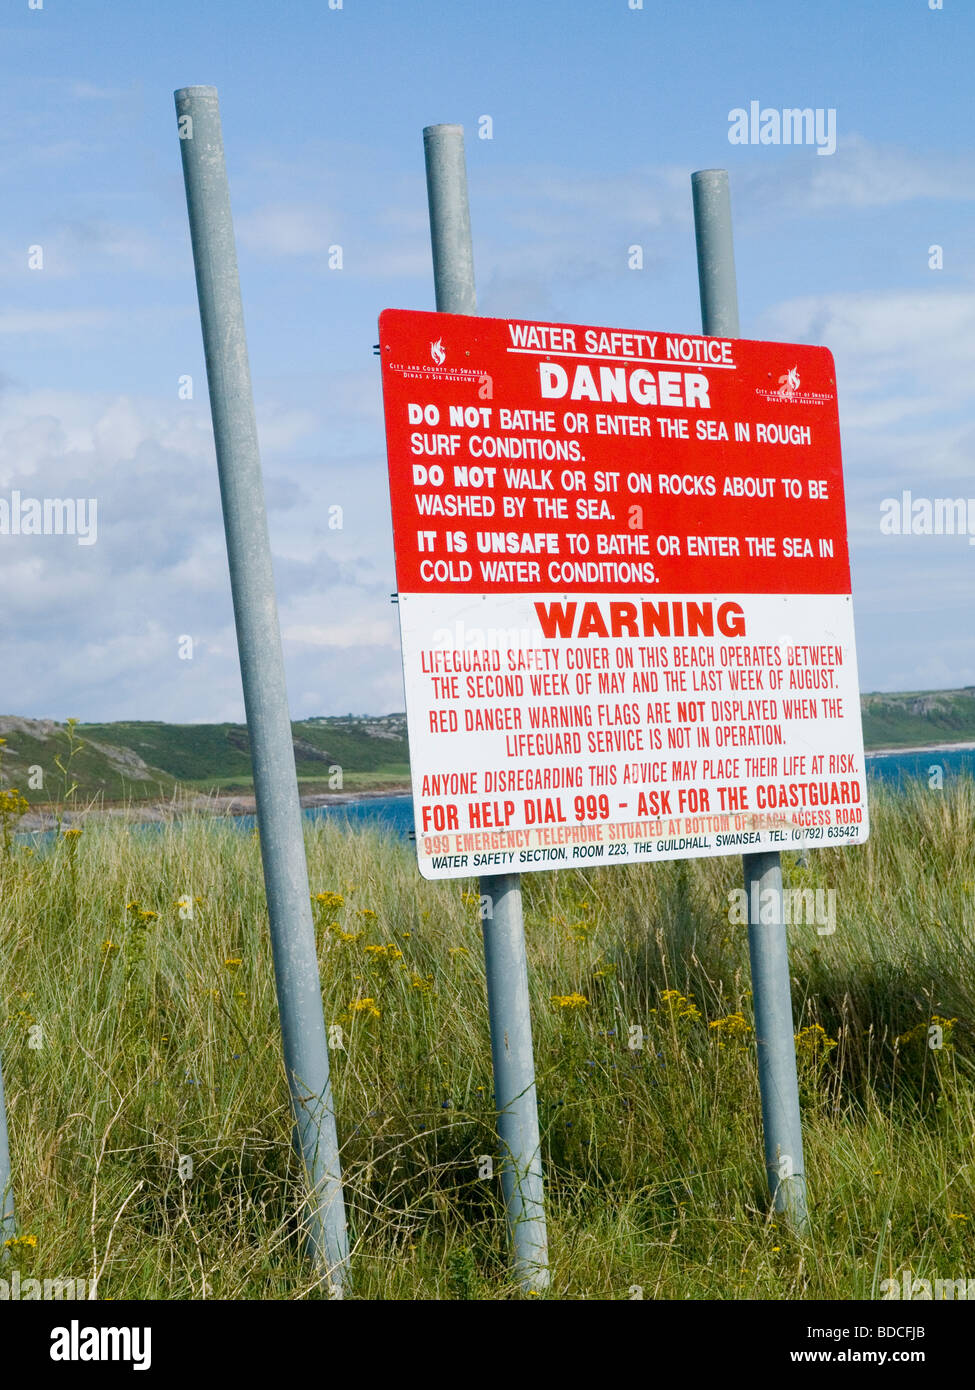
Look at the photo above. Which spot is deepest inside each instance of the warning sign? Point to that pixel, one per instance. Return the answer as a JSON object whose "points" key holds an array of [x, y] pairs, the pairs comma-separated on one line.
{"points": [[624, 594]]}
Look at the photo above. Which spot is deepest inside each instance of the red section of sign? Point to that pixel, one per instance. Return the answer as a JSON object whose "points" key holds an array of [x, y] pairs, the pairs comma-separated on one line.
{"points": [[544, 458]]}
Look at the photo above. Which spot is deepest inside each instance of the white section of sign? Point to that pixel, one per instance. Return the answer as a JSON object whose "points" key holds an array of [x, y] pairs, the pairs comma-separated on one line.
{"points": [[737, 731]]}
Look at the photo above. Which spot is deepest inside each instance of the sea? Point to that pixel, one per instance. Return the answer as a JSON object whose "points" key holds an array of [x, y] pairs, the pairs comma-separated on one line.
{"points": [[394, 814], [920, 764]]}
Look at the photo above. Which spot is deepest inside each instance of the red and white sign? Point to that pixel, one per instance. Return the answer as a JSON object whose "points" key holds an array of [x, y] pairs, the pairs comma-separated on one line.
{"points": [[624, 594]]}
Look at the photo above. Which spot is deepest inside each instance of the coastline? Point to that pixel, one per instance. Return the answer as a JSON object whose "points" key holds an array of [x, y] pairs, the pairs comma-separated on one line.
{"points": [[245, 803], [920, 748], [217, 804]]}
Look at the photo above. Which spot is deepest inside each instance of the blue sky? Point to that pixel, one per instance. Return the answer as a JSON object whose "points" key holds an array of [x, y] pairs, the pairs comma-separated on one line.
{"points": [[600, 113]]}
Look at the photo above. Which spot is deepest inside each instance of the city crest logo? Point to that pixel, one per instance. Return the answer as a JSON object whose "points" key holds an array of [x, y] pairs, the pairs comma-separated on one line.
{"points": [[787, 388], [421, 371]]}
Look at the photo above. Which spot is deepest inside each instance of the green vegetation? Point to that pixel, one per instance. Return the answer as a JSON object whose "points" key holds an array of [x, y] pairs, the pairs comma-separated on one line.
{"points": [[100, 770], [146, 761], [139, 1027], [918, 717], [142, 761]]}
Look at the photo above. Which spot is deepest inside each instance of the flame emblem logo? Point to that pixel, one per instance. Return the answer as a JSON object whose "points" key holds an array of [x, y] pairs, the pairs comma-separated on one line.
{"points": [[789, 383], [437, 352]]}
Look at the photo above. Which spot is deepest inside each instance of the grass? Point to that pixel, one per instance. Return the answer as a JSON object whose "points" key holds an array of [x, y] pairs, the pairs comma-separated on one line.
{"points": [[123, 762], [209, 754], [915, 718], [395, 777], [116, 764], [139, 1028]]}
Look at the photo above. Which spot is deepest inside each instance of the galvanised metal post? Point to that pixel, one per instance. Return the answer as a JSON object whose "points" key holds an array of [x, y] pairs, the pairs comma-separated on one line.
{"points": [[767, 945], [262, 673], [8, 1225], [505, 961]]}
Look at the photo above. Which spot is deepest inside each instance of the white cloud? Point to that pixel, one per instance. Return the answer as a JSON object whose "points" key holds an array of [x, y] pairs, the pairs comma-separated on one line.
{"points": [[60, 322], [898, 353], [350, 633], [861, 174], [94, 631], [280, 229], [89, 91]]}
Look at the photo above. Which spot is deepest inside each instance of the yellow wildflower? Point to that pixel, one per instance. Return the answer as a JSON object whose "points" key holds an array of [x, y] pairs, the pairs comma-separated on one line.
{"points": [[680, 1005], [733, 1026], [813, 1042], [922, 1030], [329, 900], [570, 1001], [367, 1006], [13, 805]]}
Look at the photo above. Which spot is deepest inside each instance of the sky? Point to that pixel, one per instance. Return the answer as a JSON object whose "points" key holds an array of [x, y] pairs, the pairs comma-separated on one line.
{"points": [[584, 120]]}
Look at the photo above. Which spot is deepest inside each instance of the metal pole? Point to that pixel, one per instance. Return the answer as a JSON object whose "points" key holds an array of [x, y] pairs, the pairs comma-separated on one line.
{"points": [[450, 219], [767, 945], [8, 1224], [262, 674], [513, 1060], [503, 924]]}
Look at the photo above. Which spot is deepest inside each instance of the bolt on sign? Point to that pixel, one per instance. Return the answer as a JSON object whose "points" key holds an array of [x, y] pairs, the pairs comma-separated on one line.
{"points": [[624, 594]]}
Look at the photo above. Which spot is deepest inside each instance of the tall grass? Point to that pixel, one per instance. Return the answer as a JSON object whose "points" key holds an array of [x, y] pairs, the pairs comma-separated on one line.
{"points": [[139, 1029]]}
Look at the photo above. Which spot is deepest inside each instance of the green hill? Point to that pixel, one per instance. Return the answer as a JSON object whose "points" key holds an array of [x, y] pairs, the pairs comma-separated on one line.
{"points": [[918, 717], [147, 760], [102, 768], [138, 761]]}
